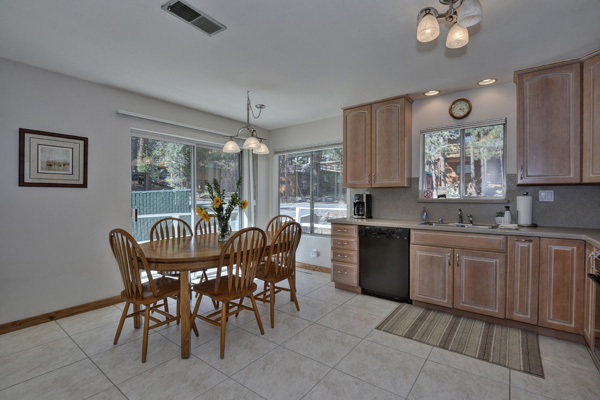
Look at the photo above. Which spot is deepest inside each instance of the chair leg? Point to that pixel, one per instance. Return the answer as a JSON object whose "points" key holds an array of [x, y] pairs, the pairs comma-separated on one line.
{"points": [[223, 327], [121, 322], [146, 328], [293, 292], [240, 307], [256, 314], [178, 312], [195, 314], [272, 304], [166, 304], [264, 291]]}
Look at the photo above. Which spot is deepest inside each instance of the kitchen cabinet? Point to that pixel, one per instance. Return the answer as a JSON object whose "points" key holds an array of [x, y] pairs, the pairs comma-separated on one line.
{"points": [[431, 275], [549, 124], [589, 308], [591, 120], [344, 257], [523, 268], [562, 280], [377, 144]]}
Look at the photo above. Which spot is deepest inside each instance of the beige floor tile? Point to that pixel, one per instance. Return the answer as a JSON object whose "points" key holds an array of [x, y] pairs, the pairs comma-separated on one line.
{"points": [[101, 339], [91, 319], [400, 343], [310, 309], [322, 344], [337, 385], [241, 349], [520, 394], [206, 333], [566, 353], [372, 305], [282, 374], [440, 382], [470, 364], [180, 379], [331, 295], [286, 326], [27, 364], [246, 316], [109, 394], [389, 369], [307, 286], [351, 321], [561, 382], [229, 389], [75, 381], [124, 362], [24, 339]]}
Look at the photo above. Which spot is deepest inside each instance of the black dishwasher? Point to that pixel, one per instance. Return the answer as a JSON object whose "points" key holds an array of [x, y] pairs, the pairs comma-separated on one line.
{"points": [[384, 262]]}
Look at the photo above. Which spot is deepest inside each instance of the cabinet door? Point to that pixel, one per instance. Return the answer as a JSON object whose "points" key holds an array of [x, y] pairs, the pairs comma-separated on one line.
{"points": [[391, 140], [591, 121], [480, 282], [549, 125], [357, 147], [589, 297], [431, 275], [522, 281], [562, 284]]}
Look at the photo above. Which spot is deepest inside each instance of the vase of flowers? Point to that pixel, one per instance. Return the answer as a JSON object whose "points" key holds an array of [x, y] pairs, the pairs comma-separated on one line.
{"points": [[221, 210]]}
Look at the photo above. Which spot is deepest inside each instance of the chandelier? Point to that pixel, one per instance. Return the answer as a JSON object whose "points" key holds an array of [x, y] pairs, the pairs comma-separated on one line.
{"points": [[253, 142], [461, 14]]}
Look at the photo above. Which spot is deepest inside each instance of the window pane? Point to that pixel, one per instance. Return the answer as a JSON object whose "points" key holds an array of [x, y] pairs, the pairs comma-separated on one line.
{"points": [[441, 160], [329, 195], [294, 188], [225, 168], [484, 162]]}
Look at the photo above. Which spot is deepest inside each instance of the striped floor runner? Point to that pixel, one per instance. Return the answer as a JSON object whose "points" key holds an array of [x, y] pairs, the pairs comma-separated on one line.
{"points": [[510, 347]]}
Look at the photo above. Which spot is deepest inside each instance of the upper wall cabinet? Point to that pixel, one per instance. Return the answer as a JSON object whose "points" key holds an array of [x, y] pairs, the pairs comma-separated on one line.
{"points": [[549, 124], [377, 144], [590, 172]]}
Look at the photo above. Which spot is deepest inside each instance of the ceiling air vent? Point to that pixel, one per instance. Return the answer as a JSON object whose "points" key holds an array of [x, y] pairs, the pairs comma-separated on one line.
{"points": [[194, 17]]}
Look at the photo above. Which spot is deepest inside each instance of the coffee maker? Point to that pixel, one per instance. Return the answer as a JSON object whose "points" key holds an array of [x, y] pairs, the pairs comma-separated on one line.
{"points": [[362, 206]]}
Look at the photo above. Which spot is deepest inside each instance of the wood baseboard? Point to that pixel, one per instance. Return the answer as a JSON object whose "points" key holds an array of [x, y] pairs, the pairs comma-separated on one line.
{"points": [[354, 289], [313, 267], [54, 315], [571, 337]]}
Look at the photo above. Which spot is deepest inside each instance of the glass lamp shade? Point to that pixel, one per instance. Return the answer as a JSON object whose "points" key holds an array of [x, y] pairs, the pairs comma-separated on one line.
{"points": [[263, 149], [251, 143], [457, 37], [428, 29], [469, 13], [231, 147]]}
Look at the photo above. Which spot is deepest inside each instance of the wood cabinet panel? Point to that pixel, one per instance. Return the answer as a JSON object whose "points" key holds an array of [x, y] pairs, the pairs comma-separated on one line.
{"points": [[344, 230], [357, 147], [591, 121], [347, 256], [344, 243], [523, 268], [431, 274], [480, 282], [472, 241], [562, 284], [345, 274], [549, 124]]}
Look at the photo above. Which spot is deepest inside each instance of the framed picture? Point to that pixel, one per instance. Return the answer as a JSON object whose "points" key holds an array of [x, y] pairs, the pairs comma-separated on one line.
{"points": [[52, 159]]}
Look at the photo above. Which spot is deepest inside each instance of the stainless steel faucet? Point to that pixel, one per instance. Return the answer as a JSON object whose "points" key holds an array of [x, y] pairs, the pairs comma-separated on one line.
{"points": [[460, 217]]}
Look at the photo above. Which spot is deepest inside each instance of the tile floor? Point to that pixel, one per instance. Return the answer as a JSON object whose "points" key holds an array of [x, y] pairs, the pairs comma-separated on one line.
{"points": [[328, 350]]}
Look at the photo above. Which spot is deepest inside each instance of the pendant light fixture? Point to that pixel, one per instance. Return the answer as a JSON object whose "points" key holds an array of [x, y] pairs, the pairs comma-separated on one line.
{"points": [[253, 142], [461, 14]]}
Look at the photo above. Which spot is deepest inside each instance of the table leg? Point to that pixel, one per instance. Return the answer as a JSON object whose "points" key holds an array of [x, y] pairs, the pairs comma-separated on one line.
{"points": [[137, 318], [184, 304]]}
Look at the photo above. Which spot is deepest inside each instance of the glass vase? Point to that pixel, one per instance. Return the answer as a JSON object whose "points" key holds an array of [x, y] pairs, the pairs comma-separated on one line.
{"points": [[223, 229]]}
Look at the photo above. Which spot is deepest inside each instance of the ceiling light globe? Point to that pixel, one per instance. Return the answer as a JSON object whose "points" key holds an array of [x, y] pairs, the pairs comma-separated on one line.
{"points": [[428, 29], [469, 13], [487, 81], [431, 92], [231, 147], [457, 37], [262, 150], [251, 143]]}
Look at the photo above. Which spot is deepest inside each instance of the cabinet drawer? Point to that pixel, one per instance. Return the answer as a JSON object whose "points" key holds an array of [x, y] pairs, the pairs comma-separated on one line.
{"points": [[472, 241], [344, 243], [347, 256], [344, 274], [344, 230]]}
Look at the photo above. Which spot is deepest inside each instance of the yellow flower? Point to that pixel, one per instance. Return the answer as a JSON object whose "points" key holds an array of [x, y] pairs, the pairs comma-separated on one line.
{"points": [[244, 204], [217, 202], [205, 216], [199, 211]]}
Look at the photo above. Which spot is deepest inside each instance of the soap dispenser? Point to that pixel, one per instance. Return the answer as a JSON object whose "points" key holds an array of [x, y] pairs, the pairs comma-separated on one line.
{"points": [[507, 218], [424, 215]]}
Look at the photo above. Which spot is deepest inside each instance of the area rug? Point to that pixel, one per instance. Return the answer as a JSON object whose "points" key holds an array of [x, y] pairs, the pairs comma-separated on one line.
{"points": [[516, 349]]}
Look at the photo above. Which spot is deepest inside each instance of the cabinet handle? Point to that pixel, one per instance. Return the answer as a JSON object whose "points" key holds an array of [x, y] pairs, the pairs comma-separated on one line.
{"points": [[522, 175], [524, 240], [449, 259], [340, 272], [341, 256], [342, 230], [457, 260], [342, 244], [368, 178], [590, 258]]}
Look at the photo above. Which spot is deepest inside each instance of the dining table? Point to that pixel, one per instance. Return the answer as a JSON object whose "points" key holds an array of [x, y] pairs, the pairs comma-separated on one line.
{"points": [[185, 255]]}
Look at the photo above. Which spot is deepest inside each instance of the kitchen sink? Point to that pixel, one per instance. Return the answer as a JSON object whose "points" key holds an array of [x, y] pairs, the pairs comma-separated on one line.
{"points": [[459, 225]]}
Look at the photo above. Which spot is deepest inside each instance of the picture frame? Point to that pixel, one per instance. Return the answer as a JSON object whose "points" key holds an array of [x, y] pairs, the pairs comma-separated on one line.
{"points": [[52, 159]]}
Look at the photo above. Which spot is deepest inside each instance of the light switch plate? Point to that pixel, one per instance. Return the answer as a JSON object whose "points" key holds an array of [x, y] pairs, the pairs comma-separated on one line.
{"points": [[546, 195]]}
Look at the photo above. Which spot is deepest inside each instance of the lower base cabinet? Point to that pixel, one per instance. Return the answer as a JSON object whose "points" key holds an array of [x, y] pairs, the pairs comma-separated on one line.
{"points": [[431, 275], [522, 279]]}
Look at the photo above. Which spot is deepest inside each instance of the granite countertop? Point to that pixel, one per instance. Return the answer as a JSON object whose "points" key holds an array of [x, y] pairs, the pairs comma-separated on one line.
{"points": [[591, 236]]}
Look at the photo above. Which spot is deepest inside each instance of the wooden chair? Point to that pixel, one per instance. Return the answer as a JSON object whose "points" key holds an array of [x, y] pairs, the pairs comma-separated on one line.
{"points": [[279, 265], [241, 256], [131, 261], [277, 222]]}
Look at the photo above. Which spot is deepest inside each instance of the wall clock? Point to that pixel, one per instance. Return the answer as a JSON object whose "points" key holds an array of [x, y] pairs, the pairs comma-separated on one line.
{"points": [[460, 108]]}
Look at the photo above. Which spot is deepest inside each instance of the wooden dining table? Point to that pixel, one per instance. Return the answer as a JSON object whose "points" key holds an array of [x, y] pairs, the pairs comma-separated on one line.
{"points": [[185, 255]]}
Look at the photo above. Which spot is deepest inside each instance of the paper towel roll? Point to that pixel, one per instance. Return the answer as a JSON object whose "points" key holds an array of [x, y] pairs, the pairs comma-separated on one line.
{"points": [[524, 209]]}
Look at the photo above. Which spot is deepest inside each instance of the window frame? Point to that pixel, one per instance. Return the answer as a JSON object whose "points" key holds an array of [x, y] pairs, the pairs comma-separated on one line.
{"points": [[461, 128]]}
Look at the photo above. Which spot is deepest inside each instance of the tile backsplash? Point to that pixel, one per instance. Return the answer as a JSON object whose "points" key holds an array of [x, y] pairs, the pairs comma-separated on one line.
{"points": [[576, 206]]}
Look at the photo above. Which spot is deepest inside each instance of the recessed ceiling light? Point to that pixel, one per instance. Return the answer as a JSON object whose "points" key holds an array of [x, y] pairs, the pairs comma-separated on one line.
{"points": [[487, 81], [431, 93]]}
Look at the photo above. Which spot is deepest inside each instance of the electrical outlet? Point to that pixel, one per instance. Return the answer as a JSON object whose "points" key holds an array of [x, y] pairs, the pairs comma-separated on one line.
{"points": [[314, 253], [546, 195]]}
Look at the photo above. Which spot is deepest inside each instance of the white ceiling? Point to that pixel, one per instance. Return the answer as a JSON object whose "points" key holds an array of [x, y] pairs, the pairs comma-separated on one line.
{"points": [[303, 59]]}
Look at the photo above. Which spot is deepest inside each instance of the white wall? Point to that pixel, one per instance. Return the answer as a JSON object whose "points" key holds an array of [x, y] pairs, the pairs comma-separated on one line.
{"points": [[54, 250]]}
